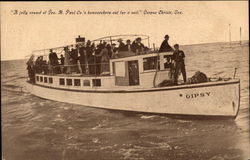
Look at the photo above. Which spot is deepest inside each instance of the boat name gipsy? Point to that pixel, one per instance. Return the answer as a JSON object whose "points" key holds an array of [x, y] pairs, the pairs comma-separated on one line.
{"points": [[196, 95]]}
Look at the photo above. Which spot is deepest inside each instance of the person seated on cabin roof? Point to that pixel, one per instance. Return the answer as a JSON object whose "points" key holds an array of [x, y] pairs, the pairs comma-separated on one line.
{"points": [[165, 47], [128, 46], [137, 46], [121, 46], [104, 59]]}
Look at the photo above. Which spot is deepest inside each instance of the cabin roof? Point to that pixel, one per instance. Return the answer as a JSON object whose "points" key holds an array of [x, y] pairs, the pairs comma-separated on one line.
{"points": [[135, 57]]}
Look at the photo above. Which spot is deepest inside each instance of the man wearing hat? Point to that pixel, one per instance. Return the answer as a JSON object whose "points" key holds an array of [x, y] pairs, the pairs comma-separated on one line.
{"points": [[113, 51], [128, 46], [178, 57], [66, 60], [53, 61], [121, 46], [165, 47], [137, 46]]}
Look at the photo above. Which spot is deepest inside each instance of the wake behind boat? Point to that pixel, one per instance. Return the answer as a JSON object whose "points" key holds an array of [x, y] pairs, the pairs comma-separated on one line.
{"points": [[130, 78]]}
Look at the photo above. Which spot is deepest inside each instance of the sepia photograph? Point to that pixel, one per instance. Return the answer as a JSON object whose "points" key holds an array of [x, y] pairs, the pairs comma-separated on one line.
{"points": [[125, 80]]}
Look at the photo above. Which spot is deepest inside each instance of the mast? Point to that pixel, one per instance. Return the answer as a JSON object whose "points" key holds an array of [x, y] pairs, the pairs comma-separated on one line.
{"points": [[230, 34], [240, 35]]}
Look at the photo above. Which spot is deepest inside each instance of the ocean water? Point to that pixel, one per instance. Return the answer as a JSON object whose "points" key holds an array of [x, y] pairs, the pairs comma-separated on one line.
{"points": [[40, 129]]}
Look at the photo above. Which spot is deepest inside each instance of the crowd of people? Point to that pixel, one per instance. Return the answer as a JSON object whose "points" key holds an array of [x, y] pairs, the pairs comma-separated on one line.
{"points": [[86, 58]]}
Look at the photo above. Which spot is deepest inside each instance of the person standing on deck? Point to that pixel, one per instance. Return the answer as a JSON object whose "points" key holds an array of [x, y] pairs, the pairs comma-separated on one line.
{"points": [[121, 46], [104, 59], [90, 57], [137, 46], [53, 61], [31, 69], [74, 59], [67, 59], [62, 59], [165, 47], [82, 58], [128, 46], [114, 51], [178, 57]]}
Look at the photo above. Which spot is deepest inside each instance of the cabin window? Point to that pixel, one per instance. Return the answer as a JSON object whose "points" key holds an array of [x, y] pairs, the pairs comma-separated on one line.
{"points": [[96, 82], [77, 82], [41, 79], [50, 80], [45, 80], [37, 78], [168, 61], [120, 69], [86, 83], [62, 81], [150, 63], [69, 82]]}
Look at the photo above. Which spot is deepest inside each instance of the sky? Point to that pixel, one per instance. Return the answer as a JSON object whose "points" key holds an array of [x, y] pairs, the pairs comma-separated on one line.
{"points": [[199, 22]]}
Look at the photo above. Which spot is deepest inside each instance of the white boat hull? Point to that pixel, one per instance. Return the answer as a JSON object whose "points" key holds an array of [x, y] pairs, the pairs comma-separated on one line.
{"points": [[204, 99]]}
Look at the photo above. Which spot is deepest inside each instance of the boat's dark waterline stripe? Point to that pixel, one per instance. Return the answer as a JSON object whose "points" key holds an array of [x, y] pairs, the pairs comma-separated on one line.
{"points": [[124, 91]]}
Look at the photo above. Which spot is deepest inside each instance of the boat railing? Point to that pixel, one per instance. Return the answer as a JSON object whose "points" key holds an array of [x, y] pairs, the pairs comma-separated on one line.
{"points": [[95, 69]]}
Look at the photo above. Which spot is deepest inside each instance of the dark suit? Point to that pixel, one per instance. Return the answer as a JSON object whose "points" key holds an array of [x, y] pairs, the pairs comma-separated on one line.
{"points": [[53, 59], [82, 58], [178, 57], [90, 59], [121, 46], [128, 47], [165, 47], [54, 62], [136, 47]]}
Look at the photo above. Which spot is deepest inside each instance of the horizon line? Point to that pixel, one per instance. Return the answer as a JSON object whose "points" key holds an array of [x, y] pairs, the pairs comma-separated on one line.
{"points": [[180, 45]]}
